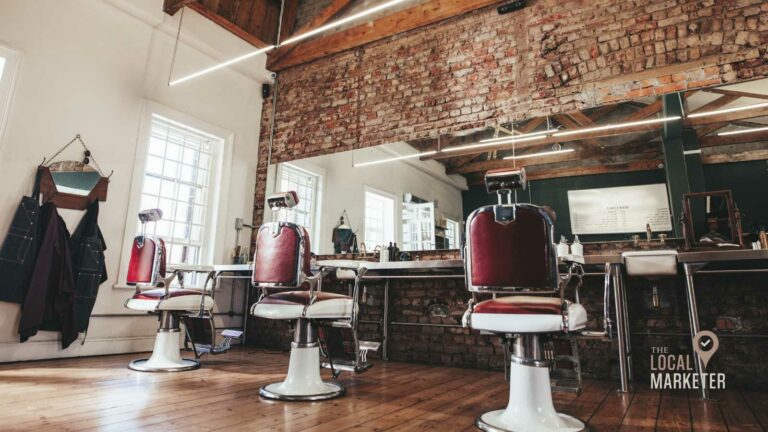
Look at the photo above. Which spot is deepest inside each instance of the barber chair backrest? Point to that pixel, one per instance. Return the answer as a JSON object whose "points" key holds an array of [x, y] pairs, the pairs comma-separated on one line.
{"points": [[282, 256], [510, 248], [147, 262]]}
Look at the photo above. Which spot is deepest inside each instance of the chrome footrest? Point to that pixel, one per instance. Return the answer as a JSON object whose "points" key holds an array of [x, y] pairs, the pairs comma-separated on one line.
{"points": [[347, 366]]}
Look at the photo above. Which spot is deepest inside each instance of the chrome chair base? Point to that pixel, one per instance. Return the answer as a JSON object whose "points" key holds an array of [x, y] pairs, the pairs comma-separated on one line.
{"points": [[272, 391], [184, 365], [489, 422]]}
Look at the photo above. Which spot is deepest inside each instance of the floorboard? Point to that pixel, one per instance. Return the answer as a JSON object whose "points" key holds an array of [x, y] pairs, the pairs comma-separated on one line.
{"points": [[102, 394]]}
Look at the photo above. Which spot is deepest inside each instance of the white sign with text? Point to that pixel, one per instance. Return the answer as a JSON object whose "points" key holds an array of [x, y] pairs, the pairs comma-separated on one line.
{"points": [[617, 210]]}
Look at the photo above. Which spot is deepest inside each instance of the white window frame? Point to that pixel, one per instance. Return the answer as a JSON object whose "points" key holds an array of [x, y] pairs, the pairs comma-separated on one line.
{"points": [[7, 85], [395, 219], [218, 189], [456, 232], [317, 205]]}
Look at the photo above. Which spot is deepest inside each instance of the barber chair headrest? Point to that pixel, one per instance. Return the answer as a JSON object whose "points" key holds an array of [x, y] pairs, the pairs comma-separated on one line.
{"points": [[150, 215], [505, 180], [283, 200]]}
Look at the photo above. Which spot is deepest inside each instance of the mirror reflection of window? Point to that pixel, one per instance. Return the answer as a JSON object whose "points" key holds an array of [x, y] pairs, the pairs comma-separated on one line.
{"points": [[379, 219], [305, 184], [452, 233], [418, 226], [178, 178]]}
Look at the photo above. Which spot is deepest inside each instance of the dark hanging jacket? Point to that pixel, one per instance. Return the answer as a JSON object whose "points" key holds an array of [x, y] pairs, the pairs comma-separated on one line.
{"points": [[19, 249], [49, 304], [89, 268]]}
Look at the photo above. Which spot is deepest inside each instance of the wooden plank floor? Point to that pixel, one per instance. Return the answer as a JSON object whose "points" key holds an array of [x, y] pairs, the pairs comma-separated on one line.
{"points": [[100, 393]]}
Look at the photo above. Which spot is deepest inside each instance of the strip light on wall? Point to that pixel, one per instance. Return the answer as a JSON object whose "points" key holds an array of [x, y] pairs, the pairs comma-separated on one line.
{"points": [[616, 126], [288, 41], [533, 155], [392, 159], [728, 110], [743, 131]]}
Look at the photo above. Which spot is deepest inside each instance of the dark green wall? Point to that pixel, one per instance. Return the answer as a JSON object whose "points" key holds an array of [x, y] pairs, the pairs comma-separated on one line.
{"points": [[747, 180]]}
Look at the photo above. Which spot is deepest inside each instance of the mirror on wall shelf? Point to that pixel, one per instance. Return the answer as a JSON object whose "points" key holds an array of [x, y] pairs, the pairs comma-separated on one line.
{"points": [[418, 193]]}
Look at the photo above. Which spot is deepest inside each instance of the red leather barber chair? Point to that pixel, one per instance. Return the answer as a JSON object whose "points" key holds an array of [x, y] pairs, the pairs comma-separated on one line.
{"points": [[146, 270], [510, 254], [282, 264]]}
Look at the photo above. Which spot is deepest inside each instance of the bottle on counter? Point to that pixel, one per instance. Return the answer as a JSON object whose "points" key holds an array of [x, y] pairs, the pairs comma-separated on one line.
{"points": [[763, 239], [577, 248], [562, 247]]}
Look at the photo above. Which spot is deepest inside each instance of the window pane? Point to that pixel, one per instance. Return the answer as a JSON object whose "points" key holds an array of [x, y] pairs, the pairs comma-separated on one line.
{"points": [[177, 180], [305, 185], [379, 219]]}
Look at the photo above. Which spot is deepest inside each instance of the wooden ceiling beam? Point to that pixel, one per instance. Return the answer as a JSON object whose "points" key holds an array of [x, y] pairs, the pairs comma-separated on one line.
{"points": [[542, 172], [549, 140], [718, 140], [172, 6], [578, 119], [716, 104], [402, 21], [738, 94], [227, 25], [334, 8], [727, 117]]}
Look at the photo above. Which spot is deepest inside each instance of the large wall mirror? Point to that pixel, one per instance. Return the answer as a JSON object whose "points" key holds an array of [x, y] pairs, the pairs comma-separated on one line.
{"points": [[602, 170]]}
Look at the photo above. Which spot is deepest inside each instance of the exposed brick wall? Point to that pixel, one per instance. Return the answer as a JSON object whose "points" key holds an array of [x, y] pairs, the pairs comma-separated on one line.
{"points": [[477, 69]]}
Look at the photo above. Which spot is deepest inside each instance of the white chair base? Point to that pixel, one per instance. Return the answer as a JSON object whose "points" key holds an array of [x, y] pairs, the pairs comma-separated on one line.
{"points": [[166, 356], [530, 405], [303, 382]]}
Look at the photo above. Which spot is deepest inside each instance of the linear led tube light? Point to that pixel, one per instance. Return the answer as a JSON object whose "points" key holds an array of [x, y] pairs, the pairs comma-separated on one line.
{"points": [[288, 41], [546, 153], [616, 126], [509, 140], [727, 110], [743, 131], [222, 65], [508, 137], [392, 159]]}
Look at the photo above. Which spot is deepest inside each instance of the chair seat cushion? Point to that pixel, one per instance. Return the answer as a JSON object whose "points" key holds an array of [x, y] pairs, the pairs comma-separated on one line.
{"points": [[178, 299], [527, 314], [296, 304]]}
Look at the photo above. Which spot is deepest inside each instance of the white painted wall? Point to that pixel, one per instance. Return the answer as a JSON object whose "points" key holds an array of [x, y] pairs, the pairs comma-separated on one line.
{"points": [[344, 187], [92, 67]]}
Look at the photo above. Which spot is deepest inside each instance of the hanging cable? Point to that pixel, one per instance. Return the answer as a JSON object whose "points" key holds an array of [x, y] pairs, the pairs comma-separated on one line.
{"points": [[176, 45]]}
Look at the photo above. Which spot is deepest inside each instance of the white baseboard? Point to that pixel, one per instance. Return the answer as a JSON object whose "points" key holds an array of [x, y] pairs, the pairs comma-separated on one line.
{"points": [[51, 349]]}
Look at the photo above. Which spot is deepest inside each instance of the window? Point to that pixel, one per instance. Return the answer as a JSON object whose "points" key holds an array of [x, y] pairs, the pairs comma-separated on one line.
{"points": [[452, 233], [9, 61], [419, 226], [179, 176], [307, 186], [379, 219]]}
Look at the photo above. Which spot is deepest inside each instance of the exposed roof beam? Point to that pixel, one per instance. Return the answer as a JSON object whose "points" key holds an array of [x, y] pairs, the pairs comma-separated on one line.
{"points": [[484, 166], [643, 113], [717, 140], [548, 140], [172, 6], [716, 104], [727, 117], [227, 25], [399, 22], [547, 171], [576, 120], [325, 15], [738, 93]]}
